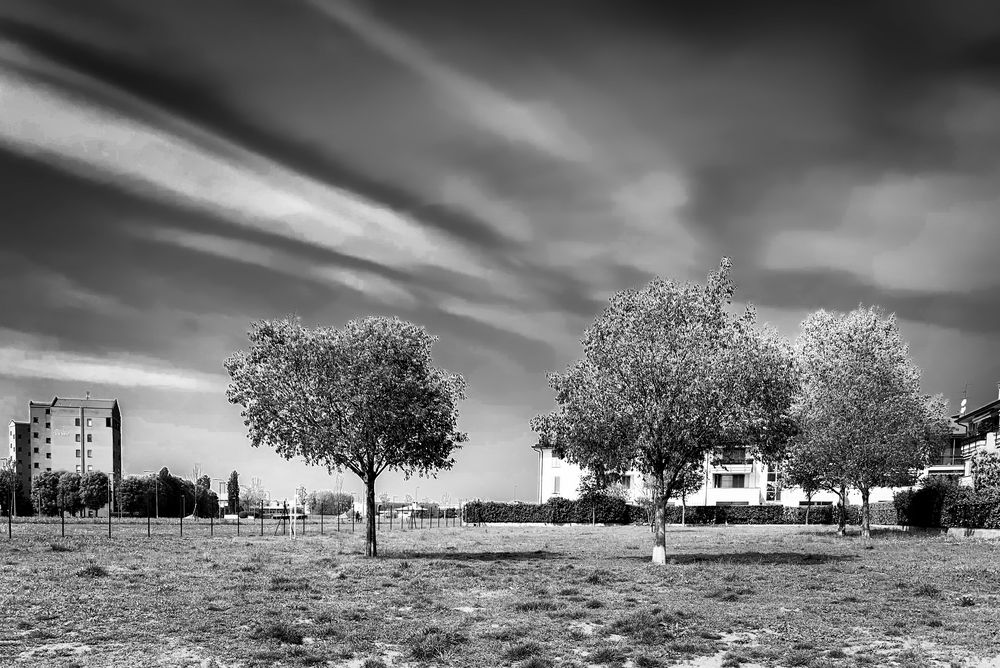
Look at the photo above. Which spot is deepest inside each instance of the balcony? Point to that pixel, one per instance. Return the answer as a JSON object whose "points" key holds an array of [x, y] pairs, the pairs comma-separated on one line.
{"points": [[948, 460]]}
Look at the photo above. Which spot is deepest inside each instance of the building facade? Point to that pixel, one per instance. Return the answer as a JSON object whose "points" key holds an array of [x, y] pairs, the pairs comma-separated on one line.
{"points": [[76, 435]]}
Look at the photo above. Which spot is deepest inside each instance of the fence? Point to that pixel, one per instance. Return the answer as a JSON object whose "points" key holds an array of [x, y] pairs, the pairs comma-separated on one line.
{"points": [[283, 523]]}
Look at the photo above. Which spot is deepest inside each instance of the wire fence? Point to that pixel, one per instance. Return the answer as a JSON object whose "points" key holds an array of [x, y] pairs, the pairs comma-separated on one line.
{"points": [[265, 523]]}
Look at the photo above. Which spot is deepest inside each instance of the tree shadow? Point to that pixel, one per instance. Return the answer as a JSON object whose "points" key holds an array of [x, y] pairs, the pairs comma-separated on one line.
{"points": [[456, 555], [753, 558]]}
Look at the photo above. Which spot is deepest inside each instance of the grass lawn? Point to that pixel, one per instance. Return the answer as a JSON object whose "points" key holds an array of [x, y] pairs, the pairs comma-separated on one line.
{"points": [[496, 596]]}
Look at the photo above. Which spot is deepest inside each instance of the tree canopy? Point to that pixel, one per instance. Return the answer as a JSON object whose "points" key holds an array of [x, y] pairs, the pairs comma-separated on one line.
{"points": [[366, 398], [669, 375], [94, 489], [864, 421]]}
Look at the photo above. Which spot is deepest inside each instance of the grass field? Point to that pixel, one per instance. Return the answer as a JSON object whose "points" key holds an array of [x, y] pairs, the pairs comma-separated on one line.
{"points": [[495, 596]]}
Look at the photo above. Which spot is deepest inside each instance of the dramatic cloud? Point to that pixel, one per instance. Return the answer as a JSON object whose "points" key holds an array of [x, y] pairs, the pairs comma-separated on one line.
{"points": [[174, 171]]}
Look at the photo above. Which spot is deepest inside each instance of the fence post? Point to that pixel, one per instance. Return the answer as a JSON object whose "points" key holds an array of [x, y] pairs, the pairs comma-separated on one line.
{"points": [[149, 531], [10, 514], [303, 522], [237, 522], [109, 510], [262, 518], [211, 526], [352, 519], [62, 519], [284, 522], [182, 517], [321, 522]]}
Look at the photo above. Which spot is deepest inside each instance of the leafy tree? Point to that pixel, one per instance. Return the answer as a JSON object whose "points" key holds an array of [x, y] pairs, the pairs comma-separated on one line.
{"points": [[12, 496], [669, 376], [253, 496], [233, 492], [202, 488], [135, 495], [864, 421], [301, 496], [68, 492], [45, 492], [366, 397], [329, 502], [94, 490], [689, 482]]}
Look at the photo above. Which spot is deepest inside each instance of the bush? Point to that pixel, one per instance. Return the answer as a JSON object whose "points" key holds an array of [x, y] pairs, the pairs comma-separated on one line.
{"points": [[924, 507], [600, 509]]}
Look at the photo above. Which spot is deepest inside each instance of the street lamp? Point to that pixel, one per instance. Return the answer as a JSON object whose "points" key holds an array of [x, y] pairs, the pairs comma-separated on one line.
{"points": [[156, 486]]}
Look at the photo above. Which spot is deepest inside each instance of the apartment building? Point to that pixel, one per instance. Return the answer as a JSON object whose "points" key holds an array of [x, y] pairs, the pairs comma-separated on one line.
{"points": [[80, 435], [733, 479]]}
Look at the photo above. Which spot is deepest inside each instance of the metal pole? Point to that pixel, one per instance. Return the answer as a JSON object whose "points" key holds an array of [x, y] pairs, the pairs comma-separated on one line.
{"points": [[284, 524], [109, 510], [211, 525], [262, 517], [148, 530], [321, 522], [182, 517], [10, 514], [62, 518], [237, 523]]}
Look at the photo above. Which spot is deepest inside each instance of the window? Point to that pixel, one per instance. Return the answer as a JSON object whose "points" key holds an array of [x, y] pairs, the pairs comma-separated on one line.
{"points": [[107, 422], [555, 485], [35, 420], [90, 467], [48, 425], [773, 485], [90, 422], [77, 468], [47, 411], [723, 481], [90, 438], [77, 422], [78, 438], [49, 469], [555, 462], [34, 434], [36, 451], [627, 482], [77, 453], [734, 456], [48, 455], [48, 439], [90, 454], [36, 465]]}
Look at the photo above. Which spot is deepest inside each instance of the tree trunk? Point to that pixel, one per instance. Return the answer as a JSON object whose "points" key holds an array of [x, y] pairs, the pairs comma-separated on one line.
{"points": [[683, 508], [866, 527], [660, 536], [842, 519], [809, 502], [371, 549]]}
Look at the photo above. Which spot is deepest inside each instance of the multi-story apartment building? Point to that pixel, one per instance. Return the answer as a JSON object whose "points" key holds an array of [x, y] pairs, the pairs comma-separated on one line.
{"points": [[973, 431], [78, 435]]}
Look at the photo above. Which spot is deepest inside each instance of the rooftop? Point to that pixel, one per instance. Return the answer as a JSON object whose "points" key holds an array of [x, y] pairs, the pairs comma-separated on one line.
{"points": [[66, 402]]}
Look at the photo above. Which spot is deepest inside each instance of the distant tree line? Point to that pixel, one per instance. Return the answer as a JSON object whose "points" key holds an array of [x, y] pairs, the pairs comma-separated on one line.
{"points": [[168, 495]]}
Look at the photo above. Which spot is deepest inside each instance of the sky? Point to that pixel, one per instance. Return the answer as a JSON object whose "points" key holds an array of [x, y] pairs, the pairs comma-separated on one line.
{"points": [[172, 172]]}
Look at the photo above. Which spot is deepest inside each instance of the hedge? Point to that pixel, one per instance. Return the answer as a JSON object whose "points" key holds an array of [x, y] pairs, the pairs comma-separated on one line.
{"points": [[942, 502], [614, 511]]}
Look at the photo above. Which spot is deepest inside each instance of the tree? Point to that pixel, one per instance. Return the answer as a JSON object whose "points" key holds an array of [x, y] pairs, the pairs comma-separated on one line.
{"points": [[328, 502], [253, 496], [135, 495], [233, 492], [94, 490], [864, 421], [202, 489], [45, 492], [13, 500], [301, 496], [366, 398], [68, 492], [669, 376]]}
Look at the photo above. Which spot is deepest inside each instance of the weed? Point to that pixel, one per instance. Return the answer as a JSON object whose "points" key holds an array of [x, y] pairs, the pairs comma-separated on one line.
{"points": [[598, 577], [92, 571], [593, 604], [798, 657], [282, 632], [284, 583], [433, 643], [535, 606], [926, 589], [536, 662], [646, 661], [524, 650], [373, 662], [62, 547], [607, 655]]}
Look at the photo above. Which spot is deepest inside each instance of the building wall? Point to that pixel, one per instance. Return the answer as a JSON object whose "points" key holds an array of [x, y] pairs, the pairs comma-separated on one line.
{"points": [[75, 437], [753, 492]]}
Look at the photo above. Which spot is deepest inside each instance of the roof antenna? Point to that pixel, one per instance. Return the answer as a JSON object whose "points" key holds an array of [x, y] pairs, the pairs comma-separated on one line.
{"points": [[88, 395], [965, 400]]}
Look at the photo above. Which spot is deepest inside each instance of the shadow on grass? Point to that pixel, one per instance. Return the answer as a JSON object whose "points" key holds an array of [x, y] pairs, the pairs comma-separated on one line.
{"points": [[455, 555], [752, 558], [854, 532]]}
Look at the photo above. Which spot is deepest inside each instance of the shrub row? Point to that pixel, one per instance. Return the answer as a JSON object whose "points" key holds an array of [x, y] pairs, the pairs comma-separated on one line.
{"points": [[941, 502], [614, 511]]}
